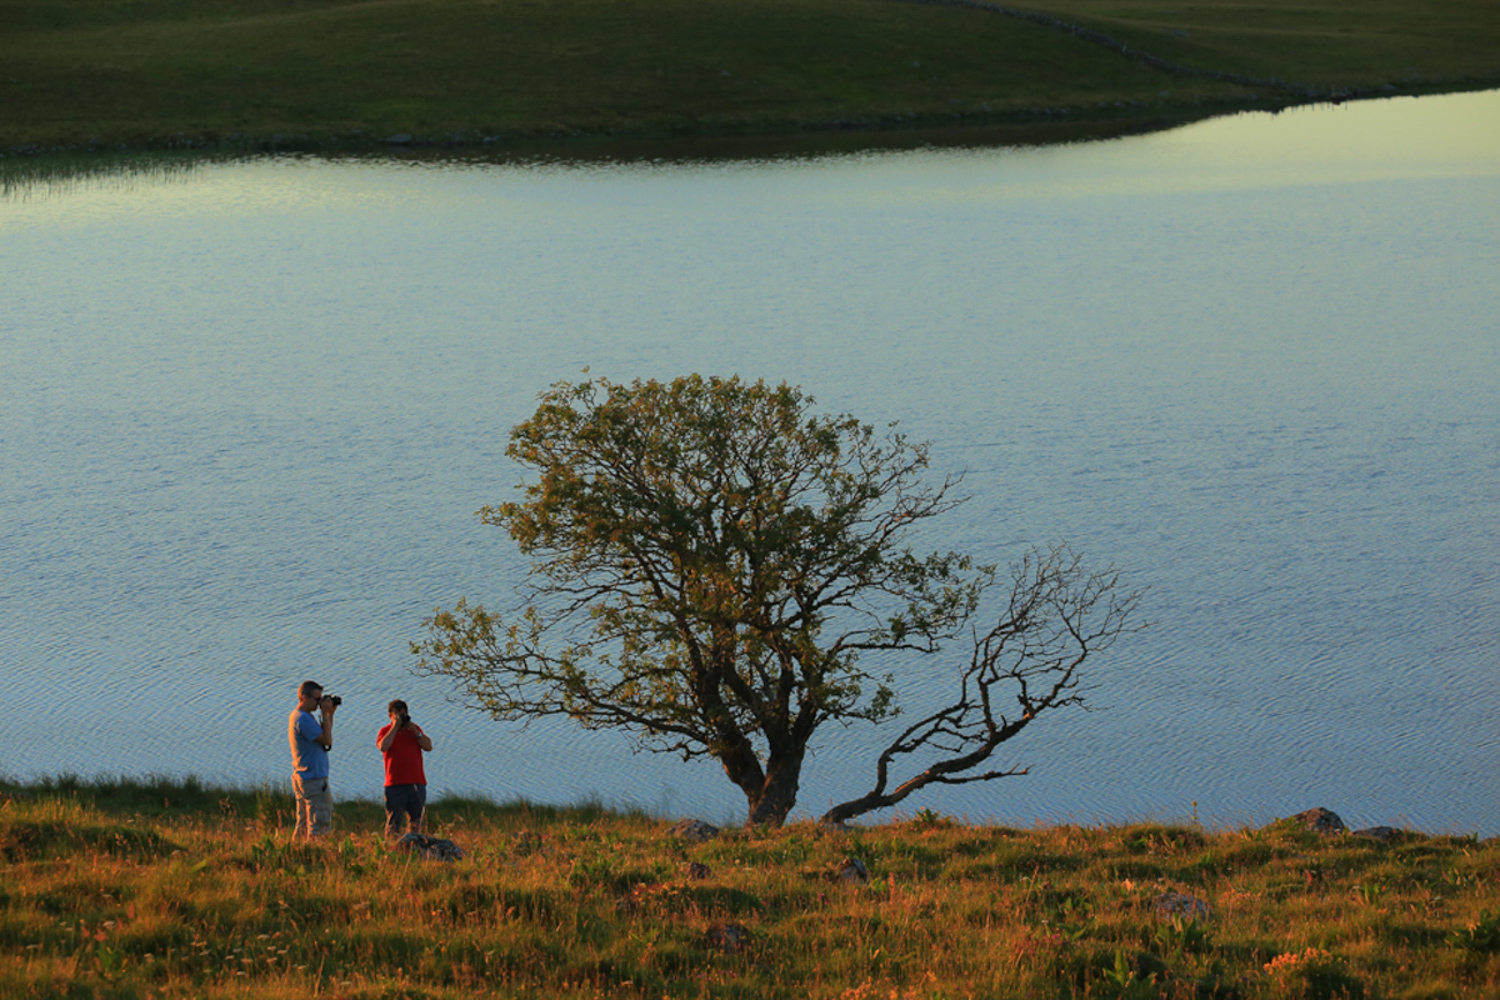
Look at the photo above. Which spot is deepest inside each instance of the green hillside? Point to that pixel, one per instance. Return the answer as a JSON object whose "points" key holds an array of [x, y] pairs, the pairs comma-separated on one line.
{"points": [[146, 71]]}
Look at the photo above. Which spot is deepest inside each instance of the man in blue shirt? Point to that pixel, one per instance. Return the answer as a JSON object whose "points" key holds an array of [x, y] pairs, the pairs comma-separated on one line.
{"points": [[311, 738]]}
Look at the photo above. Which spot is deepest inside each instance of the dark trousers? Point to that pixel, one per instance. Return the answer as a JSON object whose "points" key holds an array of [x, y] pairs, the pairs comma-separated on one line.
{"points": [[404, 800]]}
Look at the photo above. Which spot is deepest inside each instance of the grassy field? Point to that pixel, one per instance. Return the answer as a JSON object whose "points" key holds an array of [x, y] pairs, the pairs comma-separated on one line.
{"points": [[163, 889], [163, 72]]}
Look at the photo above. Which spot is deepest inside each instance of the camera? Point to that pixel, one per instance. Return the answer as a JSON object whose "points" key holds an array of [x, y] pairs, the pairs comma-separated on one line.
{"points": [[333, 699], [405, 720]]}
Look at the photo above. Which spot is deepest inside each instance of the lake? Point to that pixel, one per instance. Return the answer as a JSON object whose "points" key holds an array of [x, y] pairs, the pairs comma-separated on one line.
{"points": [[250, 408]]}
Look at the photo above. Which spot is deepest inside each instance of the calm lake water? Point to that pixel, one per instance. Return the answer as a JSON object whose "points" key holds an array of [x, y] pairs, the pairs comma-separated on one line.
{"points": [[248, 410]]}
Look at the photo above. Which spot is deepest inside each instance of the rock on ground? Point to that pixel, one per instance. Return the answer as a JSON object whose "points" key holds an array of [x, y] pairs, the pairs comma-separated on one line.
{"points": [[693, 829], [432, 848], [1320, 820]]}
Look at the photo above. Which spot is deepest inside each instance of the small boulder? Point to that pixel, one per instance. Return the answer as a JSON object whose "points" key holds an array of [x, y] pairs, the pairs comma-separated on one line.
{"points": [[850, 871], [694, 829], [1179, 904], [698, 870], [730, 937], [1323, 821], [432, 848]]}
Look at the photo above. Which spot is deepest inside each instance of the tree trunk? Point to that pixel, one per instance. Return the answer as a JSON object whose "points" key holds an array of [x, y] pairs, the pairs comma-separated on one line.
{"points": [[779, 793], [743, 768]]}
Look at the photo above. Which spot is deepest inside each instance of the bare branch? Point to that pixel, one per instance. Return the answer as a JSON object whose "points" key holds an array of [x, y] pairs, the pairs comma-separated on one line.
{"points": [[1059, 613]]}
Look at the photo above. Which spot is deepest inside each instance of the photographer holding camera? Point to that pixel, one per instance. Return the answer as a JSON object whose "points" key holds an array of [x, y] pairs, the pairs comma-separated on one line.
{"points": [[402, 742], [311, 739]]}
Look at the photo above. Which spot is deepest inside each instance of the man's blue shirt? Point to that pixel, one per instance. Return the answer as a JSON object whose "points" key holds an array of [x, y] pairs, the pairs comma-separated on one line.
{"points": [[309, 758]]}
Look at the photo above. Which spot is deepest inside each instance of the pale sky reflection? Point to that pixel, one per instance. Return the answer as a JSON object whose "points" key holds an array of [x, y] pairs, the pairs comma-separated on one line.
{"points": [[1402, 138]]}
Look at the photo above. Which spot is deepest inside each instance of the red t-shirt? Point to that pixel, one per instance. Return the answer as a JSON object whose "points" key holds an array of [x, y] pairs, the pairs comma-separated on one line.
{"points": [[403, 761]]}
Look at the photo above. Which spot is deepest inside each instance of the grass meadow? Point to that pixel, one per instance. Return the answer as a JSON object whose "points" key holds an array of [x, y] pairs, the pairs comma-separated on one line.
{"points": [[158, 889], [300, 73]]}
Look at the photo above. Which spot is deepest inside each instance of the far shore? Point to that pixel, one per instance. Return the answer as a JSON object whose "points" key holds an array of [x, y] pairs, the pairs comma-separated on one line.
{"points": [[1026, 127], [623, 78]]}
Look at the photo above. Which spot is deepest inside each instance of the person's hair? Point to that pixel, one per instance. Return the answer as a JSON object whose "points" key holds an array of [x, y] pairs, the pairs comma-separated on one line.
{"points": [[397, 705], [308, 687]]}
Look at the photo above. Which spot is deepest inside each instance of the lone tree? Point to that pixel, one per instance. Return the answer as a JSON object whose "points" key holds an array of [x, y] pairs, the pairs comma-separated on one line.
{"points": [[710, 558]]}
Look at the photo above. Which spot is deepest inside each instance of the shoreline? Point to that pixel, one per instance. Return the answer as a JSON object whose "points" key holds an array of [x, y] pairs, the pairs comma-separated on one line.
{"points": [[1039, 126], [190, 795]]}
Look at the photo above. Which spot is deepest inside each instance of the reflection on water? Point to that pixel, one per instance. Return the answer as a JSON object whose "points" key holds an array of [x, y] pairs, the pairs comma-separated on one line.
{"points": [[25, 177], [250, 407]]}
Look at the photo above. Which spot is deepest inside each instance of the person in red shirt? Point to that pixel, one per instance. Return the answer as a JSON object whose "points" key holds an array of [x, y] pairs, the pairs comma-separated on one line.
{"points": [[402, 743]]}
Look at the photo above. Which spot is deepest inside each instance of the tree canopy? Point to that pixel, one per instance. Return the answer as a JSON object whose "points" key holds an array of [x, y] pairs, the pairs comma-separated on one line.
{"points": [[710, 560]]}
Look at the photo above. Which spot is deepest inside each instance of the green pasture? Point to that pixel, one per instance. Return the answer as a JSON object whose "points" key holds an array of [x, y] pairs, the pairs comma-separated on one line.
{"points": [[1339, 45], [163, 72]]}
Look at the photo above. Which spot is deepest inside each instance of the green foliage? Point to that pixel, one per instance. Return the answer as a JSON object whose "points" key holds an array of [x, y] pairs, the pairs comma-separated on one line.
{"points": [[706, 530], [1483, 935], [1184, 937], [1125, 982], [927, 819]]}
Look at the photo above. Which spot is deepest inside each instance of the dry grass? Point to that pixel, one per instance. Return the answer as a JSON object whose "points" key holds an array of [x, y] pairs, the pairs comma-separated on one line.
{"points": [[108, 894]]}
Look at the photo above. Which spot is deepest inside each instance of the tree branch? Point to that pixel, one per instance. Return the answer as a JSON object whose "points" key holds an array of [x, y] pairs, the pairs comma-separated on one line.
{"points": [[1059, 614]]}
